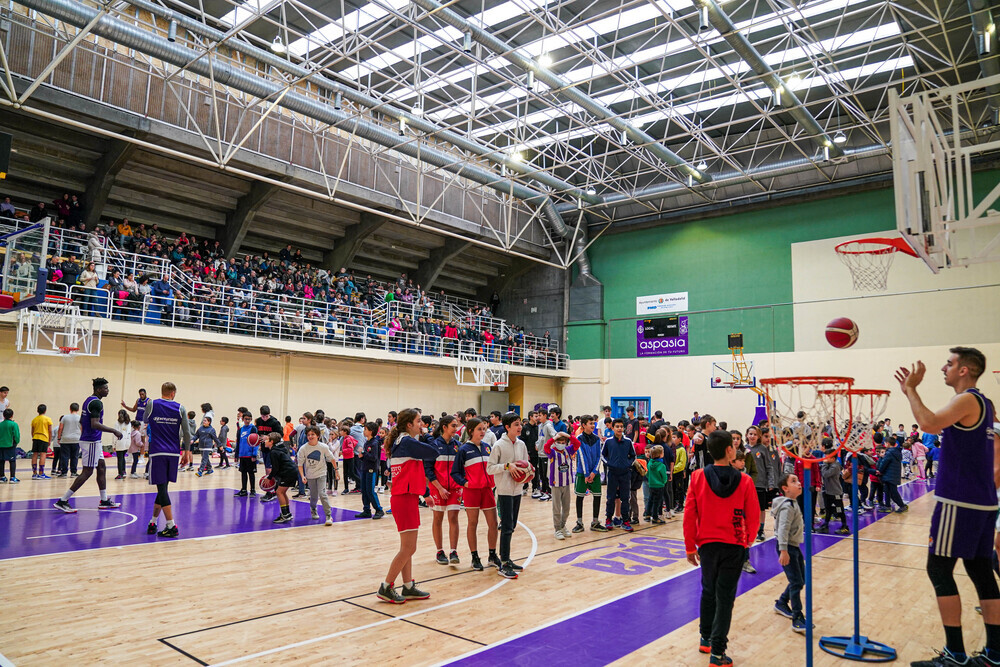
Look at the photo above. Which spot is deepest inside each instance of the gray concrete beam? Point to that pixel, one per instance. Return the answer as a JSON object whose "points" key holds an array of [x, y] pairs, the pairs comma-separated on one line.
{"points": [[507, 277], [344, 249], [95, 198], [430, 268], [238, 221]]}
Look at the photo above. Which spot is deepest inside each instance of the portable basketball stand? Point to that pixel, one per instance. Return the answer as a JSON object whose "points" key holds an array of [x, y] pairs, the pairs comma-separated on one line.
{"points": [[737, 373], [867, 405]]}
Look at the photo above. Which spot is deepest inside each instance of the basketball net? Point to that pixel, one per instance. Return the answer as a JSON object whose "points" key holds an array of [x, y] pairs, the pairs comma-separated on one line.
{"points": [[867, 407], [869, 261], [799, 408]]}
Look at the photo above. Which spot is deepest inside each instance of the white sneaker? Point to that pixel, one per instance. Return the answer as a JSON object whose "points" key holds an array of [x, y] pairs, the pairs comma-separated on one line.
{"points": [[331, 492], [134, 475], [559, 535], [670, 514], [536, 493], [329, 522], [566, 533]]}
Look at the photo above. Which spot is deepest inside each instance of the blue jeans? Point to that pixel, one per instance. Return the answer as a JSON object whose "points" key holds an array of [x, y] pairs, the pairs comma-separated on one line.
{"points": [[795, 573]]}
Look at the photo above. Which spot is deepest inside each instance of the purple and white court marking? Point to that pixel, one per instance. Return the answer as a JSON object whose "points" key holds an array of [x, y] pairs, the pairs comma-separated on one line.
{"points": [[680, 594], [34, 527]]}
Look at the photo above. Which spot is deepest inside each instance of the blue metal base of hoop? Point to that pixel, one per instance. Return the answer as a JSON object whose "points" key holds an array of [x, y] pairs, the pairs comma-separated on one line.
{"points": [[861, 649]]}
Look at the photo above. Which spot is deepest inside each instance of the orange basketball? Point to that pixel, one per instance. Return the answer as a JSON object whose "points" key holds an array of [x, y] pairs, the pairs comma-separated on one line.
{"points": [[842, 333]]}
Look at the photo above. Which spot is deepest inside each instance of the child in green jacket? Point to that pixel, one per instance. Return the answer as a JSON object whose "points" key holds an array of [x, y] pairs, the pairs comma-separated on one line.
{"points": [[10, 438], [657, 477]]}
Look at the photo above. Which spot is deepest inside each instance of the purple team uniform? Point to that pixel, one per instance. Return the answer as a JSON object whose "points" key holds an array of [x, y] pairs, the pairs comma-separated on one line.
{"points": [[962, 525], [167, 424]]}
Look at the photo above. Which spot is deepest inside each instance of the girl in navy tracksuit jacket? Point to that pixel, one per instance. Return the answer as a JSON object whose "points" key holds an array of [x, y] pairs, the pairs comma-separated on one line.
{"points": [[406, 457]]}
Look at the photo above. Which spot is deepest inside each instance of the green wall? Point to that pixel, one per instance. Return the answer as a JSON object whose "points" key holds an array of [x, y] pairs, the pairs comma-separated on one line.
{"points": [[740, 262]]}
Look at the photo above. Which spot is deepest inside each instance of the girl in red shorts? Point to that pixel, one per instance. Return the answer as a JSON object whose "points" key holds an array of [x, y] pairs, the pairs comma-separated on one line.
{"points": [[406, 457], [470, 471]]}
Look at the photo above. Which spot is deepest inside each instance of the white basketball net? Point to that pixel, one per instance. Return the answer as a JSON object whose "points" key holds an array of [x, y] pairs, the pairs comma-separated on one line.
{"points": [[868, 262], [800, 408], [867, 407]]}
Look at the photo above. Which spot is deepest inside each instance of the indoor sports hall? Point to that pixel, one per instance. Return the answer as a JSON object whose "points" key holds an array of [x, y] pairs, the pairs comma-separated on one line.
{"points": [[242, 241]]}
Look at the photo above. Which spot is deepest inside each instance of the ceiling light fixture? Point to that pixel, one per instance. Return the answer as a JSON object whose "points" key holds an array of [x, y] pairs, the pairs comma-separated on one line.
{"points": [[839, 138], [516, 156], [701, 166], [545, 60], [591, 191], [794, 81], [278, 46]]}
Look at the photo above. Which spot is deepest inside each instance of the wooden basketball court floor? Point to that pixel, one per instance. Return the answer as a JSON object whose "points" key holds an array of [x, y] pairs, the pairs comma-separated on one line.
{"points": [[93, 588]]}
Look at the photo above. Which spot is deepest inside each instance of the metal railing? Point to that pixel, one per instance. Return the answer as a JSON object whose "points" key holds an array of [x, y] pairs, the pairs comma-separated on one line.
{"points": [[291, 324]]}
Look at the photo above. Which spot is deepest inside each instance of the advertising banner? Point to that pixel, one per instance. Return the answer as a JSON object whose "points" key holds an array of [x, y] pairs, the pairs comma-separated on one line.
{"points": [[661, 336]]}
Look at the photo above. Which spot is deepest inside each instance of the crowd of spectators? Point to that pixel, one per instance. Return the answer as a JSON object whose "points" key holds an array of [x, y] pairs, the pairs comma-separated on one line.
{"points": [[280, 294]]}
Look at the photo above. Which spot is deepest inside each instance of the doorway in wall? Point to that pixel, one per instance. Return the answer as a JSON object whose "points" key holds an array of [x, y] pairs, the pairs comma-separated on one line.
{"points": [[620, 403]]}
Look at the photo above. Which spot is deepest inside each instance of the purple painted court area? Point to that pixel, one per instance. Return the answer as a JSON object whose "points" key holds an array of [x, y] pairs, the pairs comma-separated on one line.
{"points": [[34, 527], [680, 595]]}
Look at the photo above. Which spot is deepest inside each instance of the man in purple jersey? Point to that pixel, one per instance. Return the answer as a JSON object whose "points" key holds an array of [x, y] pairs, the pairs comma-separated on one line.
{"points": [[962, 525], [92, 455], [168, 431]]}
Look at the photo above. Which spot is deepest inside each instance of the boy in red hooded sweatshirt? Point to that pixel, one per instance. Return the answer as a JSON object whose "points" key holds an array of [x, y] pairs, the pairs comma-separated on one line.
{"points": [[720, 522]]}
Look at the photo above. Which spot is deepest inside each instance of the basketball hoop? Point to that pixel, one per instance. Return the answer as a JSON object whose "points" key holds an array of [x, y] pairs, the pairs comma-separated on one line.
{"points": [[869, 260], [867, 406], [821, 400], [67, 353]]}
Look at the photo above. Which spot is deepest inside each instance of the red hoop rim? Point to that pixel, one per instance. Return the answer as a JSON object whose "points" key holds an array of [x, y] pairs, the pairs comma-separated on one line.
{"points": [[889, 246], [67, 350], [858, 392], [809, 379], [810, 459], [58, 299]]}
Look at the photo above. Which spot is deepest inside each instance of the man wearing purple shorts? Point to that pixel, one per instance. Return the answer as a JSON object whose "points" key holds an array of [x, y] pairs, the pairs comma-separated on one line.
{"points": [[168, 430], [965, 512]]}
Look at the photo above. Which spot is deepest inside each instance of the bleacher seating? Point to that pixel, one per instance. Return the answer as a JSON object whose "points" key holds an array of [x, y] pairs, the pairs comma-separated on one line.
{"points": [[183, 283]]}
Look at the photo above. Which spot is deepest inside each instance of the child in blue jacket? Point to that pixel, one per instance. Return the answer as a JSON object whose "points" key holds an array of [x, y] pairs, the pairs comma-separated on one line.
{"points": [[247, 454]]}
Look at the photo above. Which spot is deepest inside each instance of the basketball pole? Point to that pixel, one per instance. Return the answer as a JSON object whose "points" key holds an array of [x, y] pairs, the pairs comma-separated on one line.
{"points": [[856, 647], [806, 498]]}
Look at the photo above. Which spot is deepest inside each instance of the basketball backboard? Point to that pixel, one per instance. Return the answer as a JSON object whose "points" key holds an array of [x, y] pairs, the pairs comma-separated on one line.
{"points": [[948, 217], [23, 276]]}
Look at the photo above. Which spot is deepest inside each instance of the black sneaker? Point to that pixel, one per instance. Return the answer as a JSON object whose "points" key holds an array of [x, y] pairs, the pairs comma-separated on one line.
{"points": [[283, 518], [578, 528], [108, 505], [169, 532], [783, 609], [903, 509], [64, 506], [477, 564], [514, 566], [378, 514], [387, 593], [506, 572], [494, 561], [268, 497], [598, 527], [151, 528], [944, 658], [760, 536], [453, 558], [363, 515], [411, 592], [441, 558], [723, 660]]}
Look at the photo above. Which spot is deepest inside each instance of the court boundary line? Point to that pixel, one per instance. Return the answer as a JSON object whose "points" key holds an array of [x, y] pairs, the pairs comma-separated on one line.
{"points": [[341, 633], [603, 603], [5, 661], [349, 598], [419, 625], [182, 652]]}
